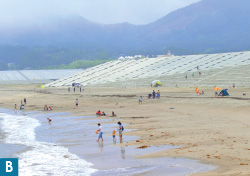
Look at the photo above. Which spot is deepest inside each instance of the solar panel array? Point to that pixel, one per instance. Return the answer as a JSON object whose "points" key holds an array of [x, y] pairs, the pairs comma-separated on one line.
{"points": [[120, 71]]}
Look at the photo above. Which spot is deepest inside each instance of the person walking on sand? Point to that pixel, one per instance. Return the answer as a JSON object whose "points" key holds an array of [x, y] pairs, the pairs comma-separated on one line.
{"points": [[15, 106], [74, 89], [76, 103], [69, 90], [100, 132], [158, 94], [24, 100], [80, 89], [140, 100], [153, 94]]}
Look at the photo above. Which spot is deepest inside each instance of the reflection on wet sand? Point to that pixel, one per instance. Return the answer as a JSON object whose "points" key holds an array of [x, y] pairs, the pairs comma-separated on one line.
{"points": [[100, 146], [123, 153]]}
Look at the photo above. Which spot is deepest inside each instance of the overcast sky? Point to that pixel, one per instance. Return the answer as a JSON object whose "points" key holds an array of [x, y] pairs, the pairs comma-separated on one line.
{"points": [[101, 11]]}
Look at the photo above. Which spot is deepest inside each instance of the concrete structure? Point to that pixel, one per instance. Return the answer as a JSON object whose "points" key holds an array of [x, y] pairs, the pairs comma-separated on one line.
{"points": [[34, 76], [170, 70]]}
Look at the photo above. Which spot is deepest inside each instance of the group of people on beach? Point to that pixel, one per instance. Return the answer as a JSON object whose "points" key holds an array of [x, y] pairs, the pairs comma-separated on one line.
{"points": [[120, 129], [23, 103], [46, 108], [186, 76], [99, 113], [74, 89], [155, 95]]}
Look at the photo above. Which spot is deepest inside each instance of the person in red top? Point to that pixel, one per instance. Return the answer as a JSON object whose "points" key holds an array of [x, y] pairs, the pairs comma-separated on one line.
{"points": [[98, 112]]}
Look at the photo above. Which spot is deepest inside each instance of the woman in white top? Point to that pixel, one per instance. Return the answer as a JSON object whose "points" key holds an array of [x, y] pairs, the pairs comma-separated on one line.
{"points": [[100, 132]]}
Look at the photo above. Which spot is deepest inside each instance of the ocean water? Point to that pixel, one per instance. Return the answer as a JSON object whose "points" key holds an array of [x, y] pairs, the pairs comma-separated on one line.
{"points": [[68, 147], [40, 158]]}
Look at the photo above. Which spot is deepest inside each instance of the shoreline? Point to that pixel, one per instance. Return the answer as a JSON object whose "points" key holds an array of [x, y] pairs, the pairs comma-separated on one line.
{"points": [[143, 166], [148, 123]]}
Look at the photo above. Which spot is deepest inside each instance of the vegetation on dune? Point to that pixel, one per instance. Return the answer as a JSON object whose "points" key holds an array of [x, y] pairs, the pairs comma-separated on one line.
{"points": [[22, 57], [79, 64]]}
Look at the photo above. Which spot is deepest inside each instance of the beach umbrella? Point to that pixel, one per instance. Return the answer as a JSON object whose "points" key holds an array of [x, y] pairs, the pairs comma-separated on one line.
{"points": [[156, 83], [217, 88]]}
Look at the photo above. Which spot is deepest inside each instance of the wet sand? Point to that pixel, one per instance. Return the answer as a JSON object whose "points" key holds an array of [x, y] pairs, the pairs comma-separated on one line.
{"points": [[212, 130], [76, 134], [114, 158]]}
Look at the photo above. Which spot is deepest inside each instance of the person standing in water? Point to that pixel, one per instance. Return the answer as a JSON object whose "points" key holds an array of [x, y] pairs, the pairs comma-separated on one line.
{"points": [[100, 132], [113, 134], [49, 120], [120, 130]]}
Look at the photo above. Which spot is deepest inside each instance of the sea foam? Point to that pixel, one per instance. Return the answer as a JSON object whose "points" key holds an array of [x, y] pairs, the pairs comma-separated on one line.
{"points": [[42, 158]]}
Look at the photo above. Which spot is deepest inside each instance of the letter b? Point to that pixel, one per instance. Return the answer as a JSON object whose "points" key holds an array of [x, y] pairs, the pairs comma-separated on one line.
{"points": [[9, 167]]}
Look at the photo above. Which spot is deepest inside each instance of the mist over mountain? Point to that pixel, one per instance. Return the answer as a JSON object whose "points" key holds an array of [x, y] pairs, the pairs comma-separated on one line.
{"points": [[208, 26]]}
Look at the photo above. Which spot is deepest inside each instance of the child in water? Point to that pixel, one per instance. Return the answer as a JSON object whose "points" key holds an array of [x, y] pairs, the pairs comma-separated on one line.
{"points": [[49, 120], [113, 135]]}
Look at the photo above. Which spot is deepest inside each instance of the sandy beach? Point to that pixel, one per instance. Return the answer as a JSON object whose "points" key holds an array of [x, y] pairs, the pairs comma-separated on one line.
{"points": [[213, 130]]}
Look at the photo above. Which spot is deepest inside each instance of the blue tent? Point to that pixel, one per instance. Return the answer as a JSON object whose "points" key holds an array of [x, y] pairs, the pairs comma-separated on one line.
{"points": [[224, 93]]}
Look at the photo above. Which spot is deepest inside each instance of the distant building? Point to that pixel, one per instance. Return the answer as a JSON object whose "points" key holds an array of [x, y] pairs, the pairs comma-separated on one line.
{"points": [[159, 56], [138, 56], [129, 58], [121, 58], [168, 55]]}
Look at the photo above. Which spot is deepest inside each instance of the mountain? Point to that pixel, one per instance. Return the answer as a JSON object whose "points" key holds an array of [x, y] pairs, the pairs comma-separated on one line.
{"points": [[218, 24], [208, 26]]}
